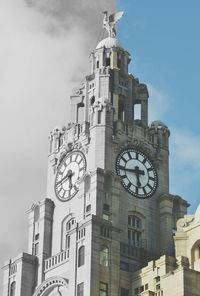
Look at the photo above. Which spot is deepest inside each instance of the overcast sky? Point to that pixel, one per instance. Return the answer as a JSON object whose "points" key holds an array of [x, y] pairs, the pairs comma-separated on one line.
{"points": [[45, 45], [44, 52]]}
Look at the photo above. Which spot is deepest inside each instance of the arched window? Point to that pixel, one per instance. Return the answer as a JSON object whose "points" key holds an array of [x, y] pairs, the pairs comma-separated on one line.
{"points": [[81, 256], [104, 253], [68, 225], [12, 289], [195, 256], [134, 231]]}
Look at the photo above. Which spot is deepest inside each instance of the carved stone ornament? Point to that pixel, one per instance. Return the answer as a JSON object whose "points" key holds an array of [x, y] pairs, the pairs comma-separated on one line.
{"points": [[137, 143], [184, 222], [47, 286]]}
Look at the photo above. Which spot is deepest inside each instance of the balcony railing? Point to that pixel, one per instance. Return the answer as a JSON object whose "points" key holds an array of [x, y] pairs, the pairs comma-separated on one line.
{"points": [[56, 260]]}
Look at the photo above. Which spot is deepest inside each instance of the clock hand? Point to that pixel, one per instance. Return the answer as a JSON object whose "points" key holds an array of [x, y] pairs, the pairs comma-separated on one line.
{"points": [[136, 171], [68, 175], [70, 182]]}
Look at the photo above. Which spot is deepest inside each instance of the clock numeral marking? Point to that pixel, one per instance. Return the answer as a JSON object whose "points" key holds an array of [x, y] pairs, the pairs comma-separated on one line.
{"points": [[58, 185], [76, 157], [151, 178], [121, 167], [81, 169], [129, 185], [136, 190], [150, 169], [59, 190], [129, 155], [144, 161], [144, 190], [136, 155], [123, 176], [148, 185], [124, 159], [79, 162]]}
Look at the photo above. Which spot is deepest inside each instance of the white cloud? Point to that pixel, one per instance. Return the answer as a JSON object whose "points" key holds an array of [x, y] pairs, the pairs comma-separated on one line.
{"points": [[185, 165], [159, 103], [185, 147]]}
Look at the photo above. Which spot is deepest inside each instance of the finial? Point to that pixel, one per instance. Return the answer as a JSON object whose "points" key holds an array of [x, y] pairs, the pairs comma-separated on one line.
{"points": [[110, 21]]}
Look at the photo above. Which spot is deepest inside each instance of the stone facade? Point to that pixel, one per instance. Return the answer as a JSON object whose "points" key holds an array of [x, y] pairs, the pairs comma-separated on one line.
{"points": [[90, 236]]}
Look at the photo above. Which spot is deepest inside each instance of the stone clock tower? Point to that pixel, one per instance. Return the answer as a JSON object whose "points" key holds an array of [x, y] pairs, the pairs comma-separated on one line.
{"points": [[108, 209]]}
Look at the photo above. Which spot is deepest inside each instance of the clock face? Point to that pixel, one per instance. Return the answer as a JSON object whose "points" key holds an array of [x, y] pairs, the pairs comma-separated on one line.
{"points": [[138, 176], [70, 171]]}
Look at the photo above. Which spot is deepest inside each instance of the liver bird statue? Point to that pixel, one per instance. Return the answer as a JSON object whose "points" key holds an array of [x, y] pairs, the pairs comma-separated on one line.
{"points": [[110, 21]]}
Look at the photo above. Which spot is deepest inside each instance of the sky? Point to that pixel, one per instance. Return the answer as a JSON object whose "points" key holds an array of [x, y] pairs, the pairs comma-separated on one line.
{"points": [[45, 45]]}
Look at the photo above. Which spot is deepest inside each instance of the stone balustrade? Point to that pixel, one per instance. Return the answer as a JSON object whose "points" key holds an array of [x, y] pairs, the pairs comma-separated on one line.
{"points": [[56, 260]]}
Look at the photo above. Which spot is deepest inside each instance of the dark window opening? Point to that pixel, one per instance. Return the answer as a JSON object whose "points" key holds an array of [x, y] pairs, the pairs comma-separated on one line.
{"points": [[36, 249], [119, 62], [80, 289], [67, 241], [121, 110], [97, 64], [99, 117], [107, 62], [124, 292], [12, 289], [92, 100], [103, 289], [106, 207], [81, 256], [88, 208]]}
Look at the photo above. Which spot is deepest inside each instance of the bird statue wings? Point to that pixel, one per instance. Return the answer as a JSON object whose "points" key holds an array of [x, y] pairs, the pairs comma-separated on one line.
{"points": [[110, 21]]}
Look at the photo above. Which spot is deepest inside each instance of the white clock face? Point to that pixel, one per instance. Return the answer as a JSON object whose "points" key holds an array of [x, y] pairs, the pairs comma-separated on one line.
{"points": [[70, 171], [137, 173]]}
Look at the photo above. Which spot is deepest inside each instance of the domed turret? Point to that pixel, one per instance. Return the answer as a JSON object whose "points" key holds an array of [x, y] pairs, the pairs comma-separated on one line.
{"points": [[109, 42], [157, 124]]}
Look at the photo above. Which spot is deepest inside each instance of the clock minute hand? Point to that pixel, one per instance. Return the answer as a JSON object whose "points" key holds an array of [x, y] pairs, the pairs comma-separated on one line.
{"points": [[136, 171], [68, 175]]}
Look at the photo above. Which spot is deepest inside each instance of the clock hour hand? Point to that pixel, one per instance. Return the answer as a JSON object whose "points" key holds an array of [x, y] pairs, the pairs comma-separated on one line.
{"points": [[136, 171], [67, 176]]}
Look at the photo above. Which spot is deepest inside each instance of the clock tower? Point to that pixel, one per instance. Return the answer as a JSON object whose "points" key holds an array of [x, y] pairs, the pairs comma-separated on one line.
{"points": [[108, 209]]}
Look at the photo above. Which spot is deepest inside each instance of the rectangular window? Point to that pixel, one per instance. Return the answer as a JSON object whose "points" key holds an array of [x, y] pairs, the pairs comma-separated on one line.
{"points": [[106, 207], [80, 289], [36, 249], [107, 62], [67, 241], [88, 208], [103, 289], [106, 211], [99, 117], [137, 111], [136, 291], [124, 292], [141, 289]]}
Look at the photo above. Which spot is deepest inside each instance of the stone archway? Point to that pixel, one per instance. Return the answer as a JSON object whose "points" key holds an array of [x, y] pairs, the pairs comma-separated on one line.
{"points": [[54, 286], [195, 256]]}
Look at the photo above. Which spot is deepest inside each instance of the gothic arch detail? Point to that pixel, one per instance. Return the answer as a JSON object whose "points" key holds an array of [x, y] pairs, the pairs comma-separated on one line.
{"points": [[47, 286]]}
